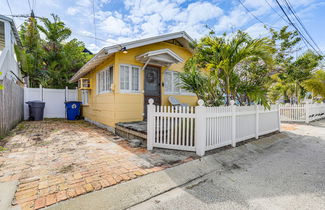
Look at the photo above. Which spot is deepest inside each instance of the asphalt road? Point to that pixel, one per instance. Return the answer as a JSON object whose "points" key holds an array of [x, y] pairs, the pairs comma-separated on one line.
{"points": [[289, 174]]}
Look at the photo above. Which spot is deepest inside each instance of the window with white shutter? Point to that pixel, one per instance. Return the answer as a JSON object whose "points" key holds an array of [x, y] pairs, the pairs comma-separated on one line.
{"points": [[129, 78]]}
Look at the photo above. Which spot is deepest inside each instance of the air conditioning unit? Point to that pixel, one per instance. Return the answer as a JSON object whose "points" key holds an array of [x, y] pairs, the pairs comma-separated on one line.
{"points": [[84, 84]]}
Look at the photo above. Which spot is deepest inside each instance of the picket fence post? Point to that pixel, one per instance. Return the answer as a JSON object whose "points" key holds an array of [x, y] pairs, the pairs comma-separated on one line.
{"points": [[279, 117], [233, 123], [200, 128], [307, 107], [41, 92], [256, 121], [150, 124]]}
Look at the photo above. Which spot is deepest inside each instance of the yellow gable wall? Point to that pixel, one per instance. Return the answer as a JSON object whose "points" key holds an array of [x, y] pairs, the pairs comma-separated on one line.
{"points": [[114, 107]]}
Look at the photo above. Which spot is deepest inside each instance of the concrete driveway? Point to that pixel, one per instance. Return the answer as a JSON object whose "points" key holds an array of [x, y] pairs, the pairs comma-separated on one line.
{"points": [[286, 174]]}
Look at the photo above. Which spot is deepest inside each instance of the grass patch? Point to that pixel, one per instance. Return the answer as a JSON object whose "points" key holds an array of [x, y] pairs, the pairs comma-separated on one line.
{"points": [[2, 149], [66, 169]]}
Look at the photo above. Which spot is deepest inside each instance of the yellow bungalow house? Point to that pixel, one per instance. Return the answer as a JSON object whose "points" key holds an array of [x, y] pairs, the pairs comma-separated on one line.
{"points": [[115, 85]]}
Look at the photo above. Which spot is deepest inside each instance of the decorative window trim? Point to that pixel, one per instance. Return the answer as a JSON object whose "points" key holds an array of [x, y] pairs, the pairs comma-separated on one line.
{"points": [[180, 92], [129, 90], [108, 69]]}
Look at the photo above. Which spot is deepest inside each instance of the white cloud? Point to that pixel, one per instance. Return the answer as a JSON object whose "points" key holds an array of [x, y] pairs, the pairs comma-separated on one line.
{"points": [[84, 3], [72, 10], [153, 25], [257, 30], [236, 18], [115, 26], [86, 33], [198, 12]]}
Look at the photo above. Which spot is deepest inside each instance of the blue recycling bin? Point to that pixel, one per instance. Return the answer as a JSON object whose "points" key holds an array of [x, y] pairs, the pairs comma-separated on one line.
{"points": [[73, 109]]}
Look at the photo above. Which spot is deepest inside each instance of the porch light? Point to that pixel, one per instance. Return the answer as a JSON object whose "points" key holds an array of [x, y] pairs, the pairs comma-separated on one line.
{"points": [[124, 50]]}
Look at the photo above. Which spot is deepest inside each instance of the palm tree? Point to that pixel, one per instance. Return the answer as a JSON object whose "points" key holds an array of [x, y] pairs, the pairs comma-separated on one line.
{"points": [[55, 32], [220, 55], [316, 84]]}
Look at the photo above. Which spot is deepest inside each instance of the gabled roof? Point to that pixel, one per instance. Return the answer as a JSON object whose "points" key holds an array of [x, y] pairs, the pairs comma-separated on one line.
{"points": [[13, 28], [163, 57], [182, 37]]}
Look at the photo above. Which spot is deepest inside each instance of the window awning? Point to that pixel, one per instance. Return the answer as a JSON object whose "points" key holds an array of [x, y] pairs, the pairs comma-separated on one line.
{"points": [[163, 57]]}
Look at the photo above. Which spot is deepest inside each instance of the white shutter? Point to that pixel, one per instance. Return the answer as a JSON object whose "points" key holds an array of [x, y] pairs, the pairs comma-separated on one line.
{"points": [[168, 82], [124, 78], [176, 88], [135, 79]]}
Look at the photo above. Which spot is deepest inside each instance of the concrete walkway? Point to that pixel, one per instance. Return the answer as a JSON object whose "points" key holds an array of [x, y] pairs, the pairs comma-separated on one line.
{"points": [[275, 174], [143, 192]]}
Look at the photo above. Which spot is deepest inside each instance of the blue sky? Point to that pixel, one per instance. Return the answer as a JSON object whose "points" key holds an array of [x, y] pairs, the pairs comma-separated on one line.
{"points": [[118, 21]]}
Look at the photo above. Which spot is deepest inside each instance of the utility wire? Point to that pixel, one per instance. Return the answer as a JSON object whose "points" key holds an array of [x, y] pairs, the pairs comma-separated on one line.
{"points": [[276, 11], [290, 21], [300, 22], [254, 15], [9, 7], [30, 7], [96, 38]]}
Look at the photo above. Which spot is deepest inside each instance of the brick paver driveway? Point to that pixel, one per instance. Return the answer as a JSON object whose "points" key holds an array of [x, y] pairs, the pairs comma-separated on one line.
{"points": [[55, 160]]}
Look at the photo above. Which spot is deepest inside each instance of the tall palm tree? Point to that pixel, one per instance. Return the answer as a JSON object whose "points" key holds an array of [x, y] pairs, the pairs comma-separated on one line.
{"points": [[220, 55], [55, 32]]}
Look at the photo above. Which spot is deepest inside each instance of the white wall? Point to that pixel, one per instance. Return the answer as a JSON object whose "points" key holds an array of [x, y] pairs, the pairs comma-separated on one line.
{"points": [[54, 100]]}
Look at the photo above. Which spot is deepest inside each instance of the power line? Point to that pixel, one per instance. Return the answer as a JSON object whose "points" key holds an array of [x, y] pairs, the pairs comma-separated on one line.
{"points": [[290, 21], [276, 11], [9, 7], [254, 15], [93, 37], [30, 7], [300, 22]]}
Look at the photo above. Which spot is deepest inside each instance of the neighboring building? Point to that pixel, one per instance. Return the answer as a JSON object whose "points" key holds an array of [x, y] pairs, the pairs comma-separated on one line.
{"points": [[11, 90], [117, 83], [8, 39]]}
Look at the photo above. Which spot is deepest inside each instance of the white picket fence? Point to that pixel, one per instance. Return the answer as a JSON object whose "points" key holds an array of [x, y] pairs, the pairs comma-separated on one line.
{"points": [[302, 112], [54, 100], [203, 128]]}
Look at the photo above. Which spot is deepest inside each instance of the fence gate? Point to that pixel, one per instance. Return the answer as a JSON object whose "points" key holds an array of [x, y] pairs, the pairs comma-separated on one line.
{"points": [[173, 127], [302, 112]]}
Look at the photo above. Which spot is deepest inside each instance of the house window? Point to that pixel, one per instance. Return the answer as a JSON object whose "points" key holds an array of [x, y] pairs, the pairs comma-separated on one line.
{"points": [[129, 78], [172, 84], [84, 97], [105, 80]]}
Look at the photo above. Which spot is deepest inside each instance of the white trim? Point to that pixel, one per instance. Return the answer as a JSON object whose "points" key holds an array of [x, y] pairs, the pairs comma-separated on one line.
{"points": [[98, 92], [108, 51], [180, 93], [154, 55], [85, 97], [130, 91]]}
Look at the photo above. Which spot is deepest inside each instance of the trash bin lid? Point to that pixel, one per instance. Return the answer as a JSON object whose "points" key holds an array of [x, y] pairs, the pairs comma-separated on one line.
{"points": [[35, 101], [72, 102]]}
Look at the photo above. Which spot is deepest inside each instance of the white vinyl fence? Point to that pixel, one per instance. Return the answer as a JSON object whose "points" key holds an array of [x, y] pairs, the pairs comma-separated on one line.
{"points": [[302, 112], [54, 100], [203, 128]]}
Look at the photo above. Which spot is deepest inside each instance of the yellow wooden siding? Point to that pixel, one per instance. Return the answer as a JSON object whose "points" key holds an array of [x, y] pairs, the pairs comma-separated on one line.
{"points": [[114, 107]]}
